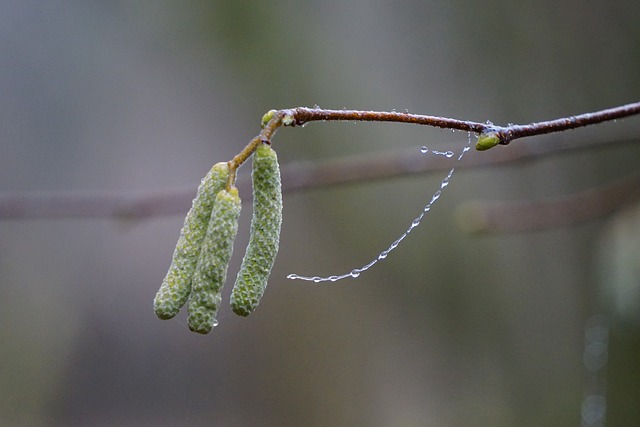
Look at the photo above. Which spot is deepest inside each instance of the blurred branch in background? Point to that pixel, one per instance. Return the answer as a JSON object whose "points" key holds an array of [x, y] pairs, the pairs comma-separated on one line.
{"points": [[132, 205], [510, 217]]}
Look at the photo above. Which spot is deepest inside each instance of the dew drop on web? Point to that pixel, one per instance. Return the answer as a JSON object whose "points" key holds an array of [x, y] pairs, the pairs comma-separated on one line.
{"points": [[415, 223]]}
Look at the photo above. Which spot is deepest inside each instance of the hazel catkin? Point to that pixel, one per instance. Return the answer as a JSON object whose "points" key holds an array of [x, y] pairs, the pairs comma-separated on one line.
{"points": [[211, 270], [264, 236], [176, 286]]}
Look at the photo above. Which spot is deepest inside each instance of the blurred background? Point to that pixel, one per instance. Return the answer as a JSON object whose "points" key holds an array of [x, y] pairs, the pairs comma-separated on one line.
{"points": [[503, 329]]}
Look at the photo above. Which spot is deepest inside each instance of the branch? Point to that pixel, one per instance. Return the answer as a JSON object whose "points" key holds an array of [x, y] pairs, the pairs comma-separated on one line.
{"points": [[502, 217], [371, 167], [494, 134], [490, 135], [94, 204], [138, 205]]}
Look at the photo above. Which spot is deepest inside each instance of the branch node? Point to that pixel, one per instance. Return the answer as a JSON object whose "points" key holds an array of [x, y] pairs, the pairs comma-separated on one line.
{"points": [[289, 118]]}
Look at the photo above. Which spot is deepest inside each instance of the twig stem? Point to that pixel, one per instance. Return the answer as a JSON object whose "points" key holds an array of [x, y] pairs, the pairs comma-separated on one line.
{"points": [[505, 134], [509, 133], [502, 134], [304, 115], [268, 130], [133, 205]]}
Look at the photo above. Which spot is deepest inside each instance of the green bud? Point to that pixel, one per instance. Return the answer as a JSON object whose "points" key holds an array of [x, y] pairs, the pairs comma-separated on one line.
{"points": [[176, 286], [264, 237], [487, 140], [211, 271], [267, 117]]}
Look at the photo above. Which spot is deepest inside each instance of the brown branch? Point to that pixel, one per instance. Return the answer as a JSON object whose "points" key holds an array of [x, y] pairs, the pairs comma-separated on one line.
{"points": [[499, 134], [509, 133], [271, 121], [295, 177], [132, 205], [594, 203], [94, 204], [371, 167], [302, 115]]}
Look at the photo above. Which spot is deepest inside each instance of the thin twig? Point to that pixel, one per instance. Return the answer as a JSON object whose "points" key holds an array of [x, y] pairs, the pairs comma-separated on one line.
{"points": [[504, 134], [490, 134], [510, 217], [137, 205], [302, 115], [271, 122], [128, 205], [401, 163], [95, 204], [509, 133]]}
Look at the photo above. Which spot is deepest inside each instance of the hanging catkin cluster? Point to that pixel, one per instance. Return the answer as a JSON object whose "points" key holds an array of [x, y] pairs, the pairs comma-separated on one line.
{"points": [[176, 286], [198, 269]]}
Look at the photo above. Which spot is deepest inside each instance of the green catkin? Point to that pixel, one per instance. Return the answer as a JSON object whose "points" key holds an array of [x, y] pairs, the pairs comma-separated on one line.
{"points": [[176, 286], [211, 271], [264, 237]]}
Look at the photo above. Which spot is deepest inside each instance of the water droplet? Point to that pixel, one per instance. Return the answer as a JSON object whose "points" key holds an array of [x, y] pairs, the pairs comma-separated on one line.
{"points": [[447, 154], [424, 149], [415, 223], [464, 150], [368, 266]]}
